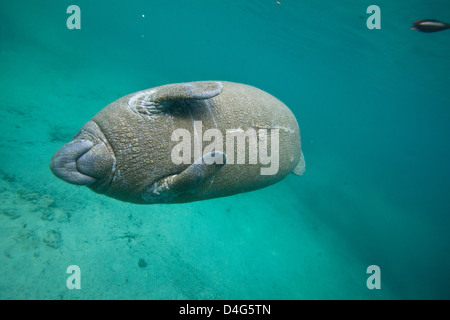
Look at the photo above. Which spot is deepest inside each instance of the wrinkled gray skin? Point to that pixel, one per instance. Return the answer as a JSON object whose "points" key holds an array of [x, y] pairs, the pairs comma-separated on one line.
{"points": [[124, 151]]}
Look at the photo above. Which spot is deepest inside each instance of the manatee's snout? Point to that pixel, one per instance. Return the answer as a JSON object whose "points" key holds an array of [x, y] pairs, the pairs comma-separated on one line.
{"points": [[82, 161]]}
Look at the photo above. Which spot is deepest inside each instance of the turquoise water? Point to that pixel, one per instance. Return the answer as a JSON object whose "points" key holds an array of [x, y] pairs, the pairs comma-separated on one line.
{"points": [[372, 105]]}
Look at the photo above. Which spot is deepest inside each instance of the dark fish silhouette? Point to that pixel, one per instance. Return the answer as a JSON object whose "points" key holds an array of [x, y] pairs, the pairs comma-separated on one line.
{"points": [[430, 25]]}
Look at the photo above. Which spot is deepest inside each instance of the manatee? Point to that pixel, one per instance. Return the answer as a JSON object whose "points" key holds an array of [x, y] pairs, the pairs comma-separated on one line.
{"points": [[184, 142]]}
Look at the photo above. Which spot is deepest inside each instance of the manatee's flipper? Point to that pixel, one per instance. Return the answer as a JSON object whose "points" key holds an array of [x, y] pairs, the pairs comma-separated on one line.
{"points": [[199, 90], [188, 181], [300, 167], [173, 96]]}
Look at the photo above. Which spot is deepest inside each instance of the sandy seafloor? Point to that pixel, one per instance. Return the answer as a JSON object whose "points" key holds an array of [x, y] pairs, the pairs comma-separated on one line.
{"points": [[373, 108]]}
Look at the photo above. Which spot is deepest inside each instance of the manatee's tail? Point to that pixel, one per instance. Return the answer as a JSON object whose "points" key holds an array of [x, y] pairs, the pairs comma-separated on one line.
{"points": [[300, 167]]}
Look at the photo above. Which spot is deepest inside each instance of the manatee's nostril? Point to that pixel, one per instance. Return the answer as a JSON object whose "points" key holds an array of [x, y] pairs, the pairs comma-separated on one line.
{"points": [[64, 166]]}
